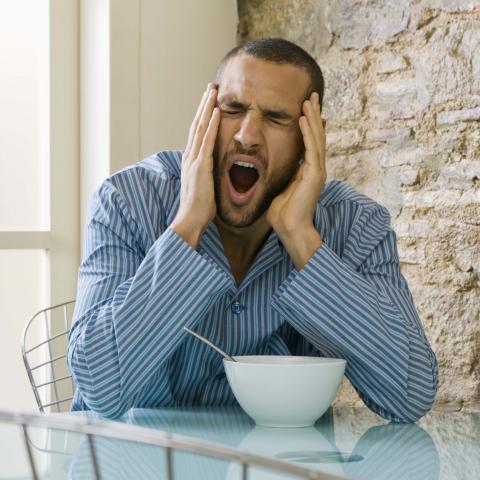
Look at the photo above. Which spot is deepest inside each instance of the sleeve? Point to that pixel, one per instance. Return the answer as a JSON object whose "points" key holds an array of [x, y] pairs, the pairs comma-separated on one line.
{"points": [[132, 306], [358, 307]]}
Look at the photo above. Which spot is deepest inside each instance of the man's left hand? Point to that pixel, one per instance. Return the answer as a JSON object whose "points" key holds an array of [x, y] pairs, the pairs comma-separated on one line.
{"points": [[291, 212]]}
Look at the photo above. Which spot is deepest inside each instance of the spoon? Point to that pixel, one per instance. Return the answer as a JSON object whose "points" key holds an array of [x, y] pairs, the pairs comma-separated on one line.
{"points": [[210, 344]]}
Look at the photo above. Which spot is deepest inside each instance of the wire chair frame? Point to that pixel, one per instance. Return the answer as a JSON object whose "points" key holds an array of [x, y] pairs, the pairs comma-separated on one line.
{"points": [[54, 329], [170, 443]]}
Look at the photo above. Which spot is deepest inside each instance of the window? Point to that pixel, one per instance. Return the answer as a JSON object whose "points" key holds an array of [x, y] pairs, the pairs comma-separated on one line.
{"points": [[39, 236]]}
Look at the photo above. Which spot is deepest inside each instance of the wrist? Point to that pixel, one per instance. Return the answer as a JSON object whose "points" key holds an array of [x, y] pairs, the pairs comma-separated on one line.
{"points": [[301, 244], [188, 232]]}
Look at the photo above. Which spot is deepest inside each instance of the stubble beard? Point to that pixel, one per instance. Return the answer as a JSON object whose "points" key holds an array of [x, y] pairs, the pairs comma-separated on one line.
{"points": [[273, 186]]}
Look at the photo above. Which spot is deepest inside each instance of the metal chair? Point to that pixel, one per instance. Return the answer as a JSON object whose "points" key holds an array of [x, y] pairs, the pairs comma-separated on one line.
{"points": [[97, 460], [44, 350]]}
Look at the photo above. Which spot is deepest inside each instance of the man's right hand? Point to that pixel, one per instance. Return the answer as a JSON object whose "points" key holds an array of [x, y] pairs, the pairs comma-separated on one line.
{"points": [[197, 199]]}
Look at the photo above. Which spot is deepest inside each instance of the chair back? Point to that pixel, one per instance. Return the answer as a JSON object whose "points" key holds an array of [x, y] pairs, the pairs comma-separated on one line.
{"points": [[44, 346]]}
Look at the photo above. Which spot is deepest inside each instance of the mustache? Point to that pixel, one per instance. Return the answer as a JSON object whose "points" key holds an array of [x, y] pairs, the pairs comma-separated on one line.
{"points": [[251, 152], [238, 149]]}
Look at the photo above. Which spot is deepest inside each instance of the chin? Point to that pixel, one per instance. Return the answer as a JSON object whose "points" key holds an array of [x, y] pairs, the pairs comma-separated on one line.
{"points": [[241, 218]]}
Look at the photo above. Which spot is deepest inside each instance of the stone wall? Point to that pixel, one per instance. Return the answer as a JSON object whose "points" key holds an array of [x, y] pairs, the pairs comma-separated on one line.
{"points": [[402, 103]]}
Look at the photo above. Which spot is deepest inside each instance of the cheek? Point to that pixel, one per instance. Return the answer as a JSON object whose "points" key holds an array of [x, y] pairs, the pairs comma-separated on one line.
{"points": [[224, 136], [286, 147]]}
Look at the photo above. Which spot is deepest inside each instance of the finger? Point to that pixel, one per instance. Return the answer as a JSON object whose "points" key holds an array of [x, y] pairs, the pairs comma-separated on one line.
{"points": [[308, 140], [203, 123], [316, 123], [312, 112], [193, 126], [208, 143], [312, 157]]}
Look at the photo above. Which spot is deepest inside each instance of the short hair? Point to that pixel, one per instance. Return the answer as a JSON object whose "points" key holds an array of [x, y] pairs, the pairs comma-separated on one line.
{"points": [[281, 51]]}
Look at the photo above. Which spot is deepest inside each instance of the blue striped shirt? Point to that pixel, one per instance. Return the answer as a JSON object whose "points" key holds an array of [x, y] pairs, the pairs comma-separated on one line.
{"points": [[140, 283]]}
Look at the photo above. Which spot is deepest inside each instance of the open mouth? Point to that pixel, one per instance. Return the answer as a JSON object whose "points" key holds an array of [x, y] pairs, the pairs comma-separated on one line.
{"points": [[243, 177]]}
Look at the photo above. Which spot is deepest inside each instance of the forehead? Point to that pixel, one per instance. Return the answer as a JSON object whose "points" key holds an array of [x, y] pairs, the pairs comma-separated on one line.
{"points": [[253, 80]]}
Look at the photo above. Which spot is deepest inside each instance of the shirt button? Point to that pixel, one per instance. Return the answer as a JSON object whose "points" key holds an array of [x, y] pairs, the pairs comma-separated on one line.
{"points": [[237, 308]]}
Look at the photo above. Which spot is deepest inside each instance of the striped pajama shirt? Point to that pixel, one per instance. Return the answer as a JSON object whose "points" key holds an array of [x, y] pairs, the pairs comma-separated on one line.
{"points": [[139, 284]]}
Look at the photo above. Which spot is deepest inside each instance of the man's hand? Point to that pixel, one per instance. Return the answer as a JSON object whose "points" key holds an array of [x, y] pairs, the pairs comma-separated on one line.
{"points": [[291, 212], [197, 200]]}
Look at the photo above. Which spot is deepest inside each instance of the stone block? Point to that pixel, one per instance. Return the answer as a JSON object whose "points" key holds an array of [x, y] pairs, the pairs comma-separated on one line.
{"points": [[448, 66], [343, 88], [415, 229], [359, 24], [411, 154], [395, 98], [342, 141], [428, 198], [408, 176], [390, 63], [452, 6], [454, 116], [301, 21], [390, 135], [461, 175]]}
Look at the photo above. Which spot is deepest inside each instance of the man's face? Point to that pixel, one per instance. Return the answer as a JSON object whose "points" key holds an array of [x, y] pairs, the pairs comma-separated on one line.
{"points": [[259, 142]]}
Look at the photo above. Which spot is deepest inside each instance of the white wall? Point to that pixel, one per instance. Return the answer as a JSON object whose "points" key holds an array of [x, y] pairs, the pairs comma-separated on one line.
{"points": [[144, 66], [181, 44], [39, 238]]}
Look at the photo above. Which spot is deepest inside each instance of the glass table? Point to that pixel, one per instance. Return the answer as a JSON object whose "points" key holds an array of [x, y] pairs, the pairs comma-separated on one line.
{"points": [[344, 443]]}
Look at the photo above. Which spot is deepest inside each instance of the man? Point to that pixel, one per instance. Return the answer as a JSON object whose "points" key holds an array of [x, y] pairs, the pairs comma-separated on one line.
{"points": [[240, 239]]}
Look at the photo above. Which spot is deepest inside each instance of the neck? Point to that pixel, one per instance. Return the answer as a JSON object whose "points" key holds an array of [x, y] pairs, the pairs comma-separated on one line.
{"points": [[242, 244]]}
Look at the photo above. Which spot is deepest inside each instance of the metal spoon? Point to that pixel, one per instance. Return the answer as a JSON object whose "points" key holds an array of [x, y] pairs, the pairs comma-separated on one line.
{"points": [[210, 344]]}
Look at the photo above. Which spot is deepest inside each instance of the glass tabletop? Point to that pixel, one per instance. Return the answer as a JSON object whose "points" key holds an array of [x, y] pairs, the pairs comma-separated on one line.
{"points": [[350, 443]]}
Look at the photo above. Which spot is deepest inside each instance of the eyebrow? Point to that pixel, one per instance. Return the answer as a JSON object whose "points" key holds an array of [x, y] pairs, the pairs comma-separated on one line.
{"points": [[277, 114]]}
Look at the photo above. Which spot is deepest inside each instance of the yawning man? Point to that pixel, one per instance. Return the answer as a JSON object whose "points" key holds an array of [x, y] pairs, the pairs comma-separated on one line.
{"points": [[240, 238]]}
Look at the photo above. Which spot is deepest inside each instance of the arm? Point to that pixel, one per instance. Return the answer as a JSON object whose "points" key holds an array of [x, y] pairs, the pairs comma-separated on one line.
{"points": [[359, 307], [131, 307]]}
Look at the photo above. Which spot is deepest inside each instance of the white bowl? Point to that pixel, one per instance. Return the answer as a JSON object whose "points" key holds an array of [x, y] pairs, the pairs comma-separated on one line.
{"points": [[282, 391]]}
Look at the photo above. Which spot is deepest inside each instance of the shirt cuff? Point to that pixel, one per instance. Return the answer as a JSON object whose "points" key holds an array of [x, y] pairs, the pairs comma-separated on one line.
{"points": [[190, 257], [329, 275]]}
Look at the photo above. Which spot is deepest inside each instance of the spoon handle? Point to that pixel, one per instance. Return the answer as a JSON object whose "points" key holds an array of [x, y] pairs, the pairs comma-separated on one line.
{"points": [[210, 344]]}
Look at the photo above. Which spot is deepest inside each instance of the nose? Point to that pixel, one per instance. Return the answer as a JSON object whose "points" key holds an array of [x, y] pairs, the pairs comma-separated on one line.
{"points": [[249, 134]]}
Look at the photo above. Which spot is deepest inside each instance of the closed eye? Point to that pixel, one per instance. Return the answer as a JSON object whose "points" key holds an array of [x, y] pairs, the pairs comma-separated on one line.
{"points": [[231, 112], [276, 121]]}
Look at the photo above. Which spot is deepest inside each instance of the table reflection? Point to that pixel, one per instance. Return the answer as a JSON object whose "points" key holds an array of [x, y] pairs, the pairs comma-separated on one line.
{"points": [[389, 451]]}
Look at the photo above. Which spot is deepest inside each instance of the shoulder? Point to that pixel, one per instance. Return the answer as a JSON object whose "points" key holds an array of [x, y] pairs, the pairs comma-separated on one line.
{"points": [[154, 173], [343, 214], [338, 195], [352, 224], [163, 166], [166, 164], [155, 180], [336, 192]]}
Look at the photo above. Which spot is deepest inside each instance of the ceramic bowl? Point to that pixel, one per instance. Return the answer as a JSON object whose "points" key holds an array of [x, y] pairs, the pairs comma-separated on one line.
{"points": [[283, 391]]}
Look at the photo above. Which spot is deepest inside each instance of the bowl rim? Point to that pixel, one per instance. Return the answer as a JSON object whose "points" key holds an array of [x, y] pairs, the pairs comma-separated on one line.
{"points": [[330, 362]]}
